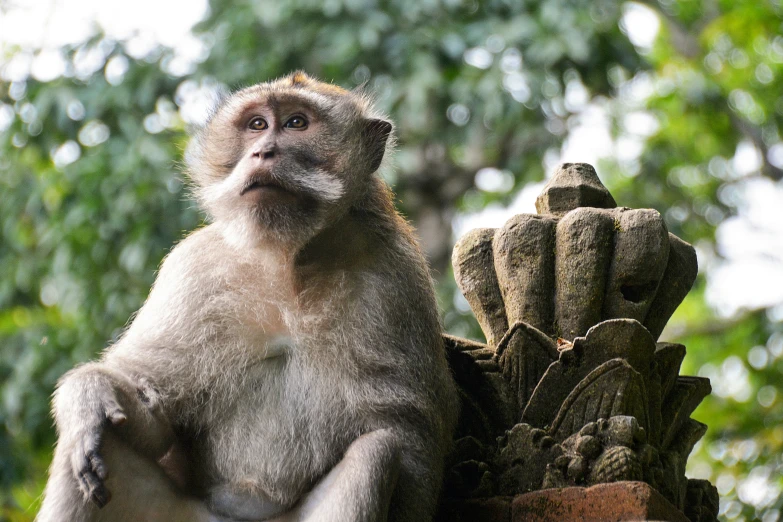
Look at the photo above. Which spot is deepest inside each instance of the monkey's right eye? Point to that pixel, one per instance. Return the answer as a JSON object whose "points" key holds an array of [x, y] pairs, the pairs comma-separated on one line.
{"points": [[257, 123]]}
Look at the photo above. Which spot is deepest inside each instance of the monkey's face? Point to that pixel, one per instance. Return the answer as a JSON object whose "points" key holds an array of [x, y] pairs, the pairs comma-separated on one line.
{"points": [[285, 160]]}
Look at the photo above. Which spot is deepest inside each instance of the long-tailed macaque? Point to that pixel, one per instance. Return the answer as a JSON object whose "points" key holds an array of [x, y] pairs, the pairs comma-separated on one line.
{"points": [[288, 363]]}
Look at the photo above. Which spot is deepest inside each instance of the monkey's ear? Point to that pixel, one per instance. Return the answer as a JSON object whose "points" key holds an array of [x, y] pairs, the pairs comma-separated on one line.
{"points": [[376, 132]]}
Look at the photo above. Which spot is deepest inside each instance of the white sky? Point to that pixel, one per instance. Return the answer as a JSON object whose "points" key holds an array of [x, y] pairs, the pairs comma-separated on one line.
{"points": [[752, 243], [49, 24]]}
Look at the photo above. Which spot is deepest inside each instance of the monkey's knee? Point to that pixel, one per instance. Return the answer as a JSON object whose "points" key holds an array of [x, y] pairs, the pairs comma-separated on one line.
{"points": [[139, 490]]}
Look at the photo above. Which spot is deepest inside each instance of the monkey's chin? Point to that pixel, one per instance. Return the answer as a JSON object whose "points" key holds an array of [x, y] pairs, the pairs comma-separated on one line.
{"points": [[290, 221]]}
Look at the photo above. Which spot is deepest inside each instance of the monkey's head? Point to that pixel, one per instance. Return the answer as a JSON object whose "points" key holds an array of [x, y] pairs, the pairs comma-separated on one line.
{"points": [[280, 160]]}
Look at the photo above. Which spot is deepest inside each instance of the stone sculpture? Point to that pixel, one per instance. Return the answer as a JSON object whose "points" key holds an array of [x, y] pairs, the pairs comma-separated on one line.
{"points": [[571, 388]]}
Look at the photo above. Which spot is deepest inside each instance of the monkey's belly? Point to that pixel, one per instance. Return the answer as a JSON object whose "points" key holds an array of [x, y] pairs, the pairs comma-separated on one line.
{"points": [[236, 503], [273, 447]]}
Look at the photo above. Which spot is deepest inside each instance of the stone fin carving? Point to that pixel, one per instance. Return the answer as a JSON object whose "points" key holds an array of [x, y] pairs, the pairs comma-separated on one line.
{"points": [[686, 395], [654, 401], [624, 338], [687, 436], [524, 264], [485, 397], [474, 270], [460, 344], [669, 357], [677, 281], [524, 354], [702, 501]]}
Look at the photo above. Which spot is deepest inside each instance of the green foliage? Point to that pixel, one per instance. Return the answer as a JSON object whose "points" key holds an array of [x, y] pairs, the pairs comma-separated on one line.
{"points": [[470, 85]]}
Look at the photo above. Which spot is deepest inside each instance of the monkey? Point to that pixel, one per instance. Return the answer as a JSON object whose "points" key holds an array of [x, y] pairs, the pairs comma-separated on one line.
{"points": [[288, 363]]}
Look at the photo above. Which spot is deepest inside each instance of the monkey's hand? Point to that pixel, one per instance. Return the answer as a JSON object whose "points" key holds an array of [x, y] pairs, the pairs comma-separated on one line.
{"points": [[92, 399], [85, 403]]}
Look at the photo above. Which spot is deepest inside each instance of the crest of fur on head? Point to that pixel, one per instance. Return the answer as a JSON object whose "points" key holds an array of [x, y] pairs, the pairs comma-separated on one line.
{"points": [[281, 159]]}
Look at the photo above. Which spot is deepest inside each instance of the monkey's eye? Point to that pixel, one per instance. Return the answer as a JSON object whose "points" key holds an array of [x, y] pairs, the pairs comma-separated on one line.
{"points": [[257, 123], [296, 122]]}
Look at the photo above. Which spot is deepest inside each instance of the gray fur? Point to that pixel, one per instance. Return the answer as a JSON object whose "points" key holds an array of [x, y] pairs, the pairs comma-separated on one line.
{"points": [[288, 359]]}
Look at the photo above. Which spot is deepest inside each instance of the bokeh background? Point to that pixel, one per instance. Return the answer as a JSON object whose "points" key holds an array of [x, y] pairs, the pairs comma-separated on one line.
{"points": [[679, 105]]}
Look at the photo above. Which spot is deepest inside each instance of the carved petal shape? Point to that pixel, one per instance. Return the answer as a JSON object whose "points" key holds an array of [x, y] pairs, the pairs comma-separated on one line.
{"points": [[613, 339], [669, 357], [687, 394], [614, 388], [485, 395]]}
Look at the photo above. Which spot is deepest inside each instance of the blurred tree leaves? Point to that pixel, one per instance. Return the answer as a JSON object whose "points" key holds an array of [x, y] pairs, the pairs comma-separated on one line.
{"points": [[93, 199]]}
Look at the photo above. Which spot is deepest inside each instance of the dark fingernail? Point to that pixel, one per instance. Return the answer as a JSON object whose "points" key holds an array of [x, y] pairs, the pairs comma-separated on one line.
{"points": [[98, 500], [101, 497]]}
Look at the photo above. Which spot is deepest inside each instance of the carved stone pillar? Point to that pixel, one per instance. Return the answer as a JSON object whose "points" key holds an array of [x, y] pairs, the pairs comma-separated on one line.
{"points": [[573, 410]]}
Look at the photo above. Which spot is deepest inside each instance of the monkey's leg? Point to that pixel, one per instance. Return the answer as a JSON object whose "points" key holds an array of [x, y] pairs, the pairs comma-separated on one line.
{"points": [[359, 487], [140, 491]]}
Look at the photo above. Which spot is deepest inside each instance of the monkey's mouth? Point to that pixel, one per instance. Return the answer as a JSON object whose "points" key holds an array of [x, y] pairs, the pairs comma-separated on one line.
{"points": [[264, 184]]}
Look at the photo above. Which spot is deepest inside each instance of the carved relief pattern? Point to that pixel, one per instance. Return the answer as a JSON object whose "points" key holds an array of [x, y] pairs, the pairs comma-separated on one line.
{"points": [[572, 388]]}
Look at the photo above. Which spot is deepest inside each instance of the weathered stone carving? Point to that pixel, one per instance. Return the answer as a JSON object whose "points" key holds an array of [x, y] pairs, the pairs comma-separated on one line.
{"points": [[571, 388]]}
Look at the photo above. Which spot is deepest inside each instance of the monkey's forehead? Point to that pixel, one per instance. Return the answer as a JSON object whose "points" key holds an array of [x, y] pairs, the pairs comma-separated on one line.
{"points": [[275, 96], [299, 86], [300, 80]]}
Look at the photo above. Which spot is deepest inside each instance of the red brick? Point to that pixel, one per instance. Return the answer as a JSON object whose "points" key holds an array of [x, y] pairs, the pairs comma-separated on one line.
{"points": [[615, 502], [496, 509]]}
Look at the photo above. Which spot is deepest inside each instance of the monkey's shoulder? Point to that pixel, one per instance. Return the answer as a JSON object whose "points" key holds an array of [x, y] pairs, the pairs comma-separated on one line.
{"points": [[201, 248], [204, 260], [203, 277]]}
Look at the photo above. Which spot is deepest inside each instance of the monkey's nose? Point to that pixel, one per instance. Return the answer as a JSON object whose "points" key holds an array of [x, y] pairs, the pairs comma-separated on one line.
{"points": [[265, 152]]}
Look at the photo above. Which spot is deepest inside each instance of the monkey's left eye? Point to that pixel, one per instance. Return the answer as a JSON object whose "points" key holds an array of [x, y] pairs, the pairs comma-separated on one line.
{"points": [[296, 122]]}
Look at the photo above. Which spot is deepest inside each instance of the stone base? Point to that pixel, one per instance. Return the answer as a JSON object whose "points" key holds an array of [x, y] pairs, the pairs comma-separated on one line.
{"points": [[616, 502]]}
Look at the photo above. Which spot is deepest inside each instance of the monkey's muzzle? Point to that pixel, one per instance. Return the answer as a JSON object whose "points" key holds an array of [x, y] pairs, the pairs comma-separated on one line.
{"points": [[264, 182]]}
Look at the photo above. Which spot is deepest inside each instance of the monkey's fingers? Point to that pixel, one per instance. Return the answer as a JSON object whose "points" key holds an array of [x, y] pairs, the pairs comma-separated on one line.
{"points": [[95, 489], [148, 394], [97, 465], [90, 476], [90, 469], [114, 413]]}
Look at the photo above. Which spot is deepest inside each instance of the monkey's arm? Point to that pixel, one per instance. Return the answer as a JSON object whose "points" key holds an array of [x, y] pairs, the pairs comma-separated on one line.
{"points": [[93, 398], [120, 392]]}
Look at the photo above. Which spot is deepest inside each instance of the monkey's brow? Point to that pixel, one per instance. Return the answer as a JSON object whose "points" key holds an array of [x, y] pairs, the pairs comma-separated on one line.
{"points": [[286, 100]]}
